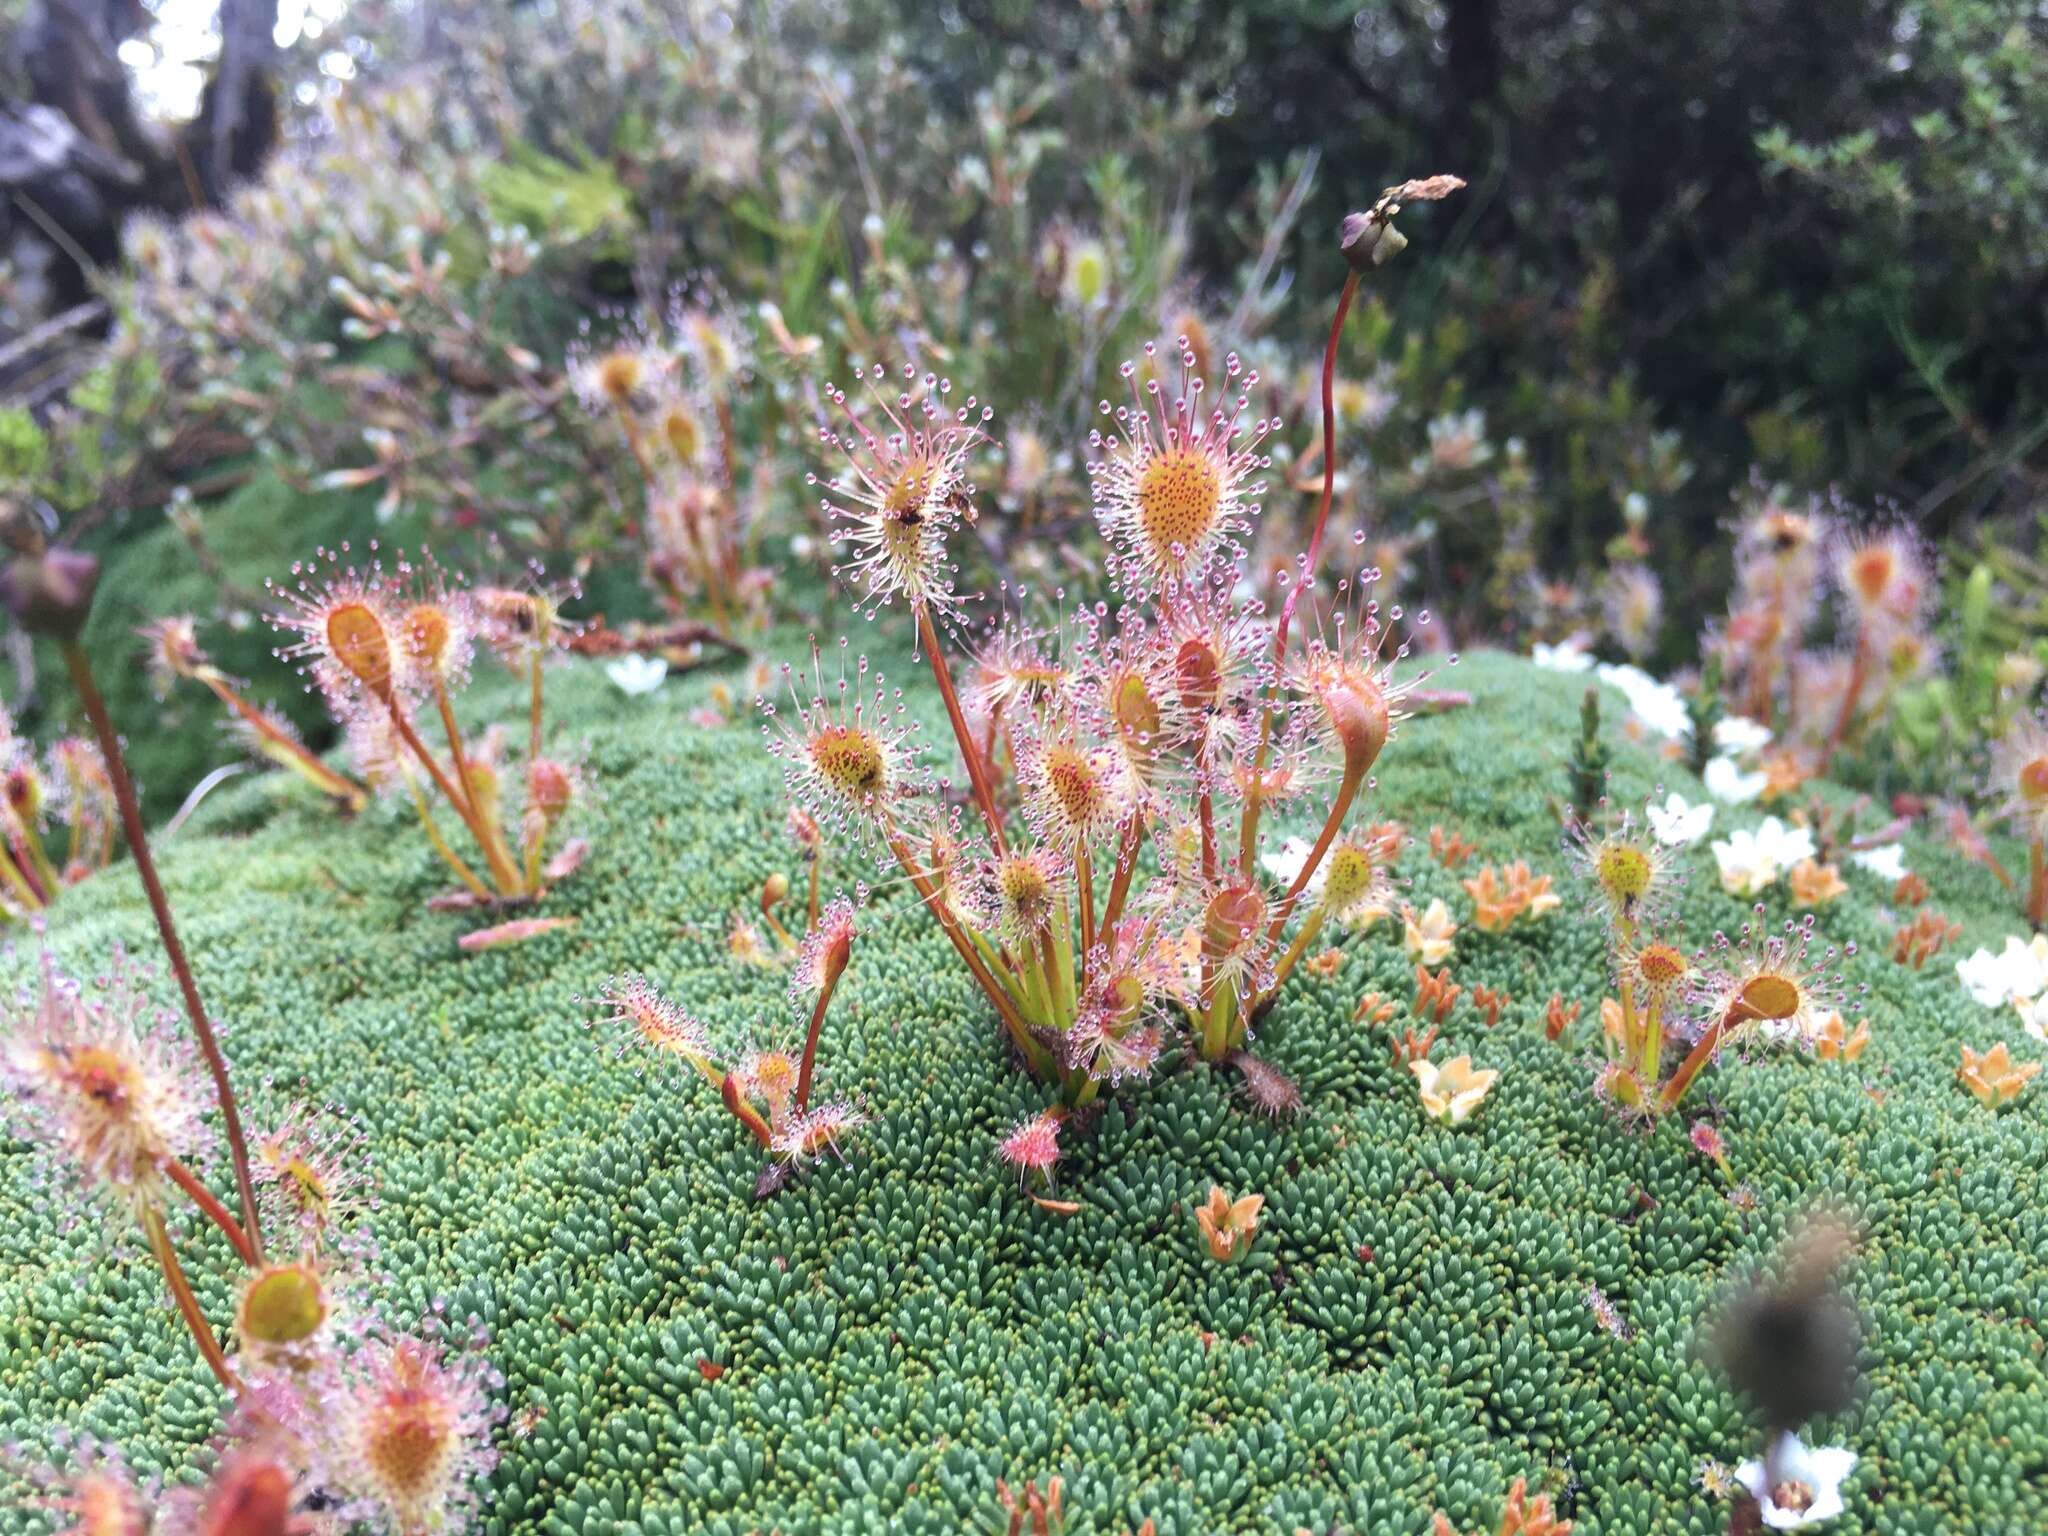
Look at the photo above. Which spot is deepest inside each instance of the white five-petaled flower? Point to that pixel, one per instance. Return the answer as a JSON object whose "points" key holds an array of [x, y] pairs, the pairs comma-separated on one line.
{"points": [[1887, 862], [1677, 822], [1452, 1091], [1430, 937], [1728, 783], [1659, 706], [2033, 1014], [2016, 974], [1751, 860], [1565, 656], [1737, 734], [1808, 1489], [635, 675]]}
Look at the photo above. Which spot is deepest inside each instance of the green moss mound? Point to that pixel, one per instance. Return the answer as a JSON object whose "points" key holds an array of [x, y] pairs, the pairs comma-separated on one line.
{"points": [[1412, 1330]]}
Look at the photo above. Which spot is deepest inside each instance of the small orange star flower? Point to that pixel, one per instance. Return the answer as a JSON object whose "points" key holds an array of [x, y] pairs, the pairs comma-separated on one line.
{"points": [[1229, 1225]]}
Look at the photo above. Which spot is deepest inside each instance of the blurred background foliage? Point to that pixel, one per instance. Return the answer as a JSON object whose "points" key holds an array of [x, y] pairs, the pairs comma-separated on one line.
{"points": [[1710, 254]]}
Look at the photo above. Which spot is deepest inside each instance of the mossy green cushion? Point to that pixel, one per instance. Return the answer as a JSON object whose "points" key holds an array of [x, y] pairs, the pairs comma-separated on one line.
{"points": [[1412, 1330]]}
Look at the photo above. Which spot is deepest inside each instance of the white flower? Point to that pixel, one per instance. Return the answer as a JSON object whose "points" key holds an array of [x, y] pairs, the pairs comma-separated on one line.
{"points": [[1284, 865], [1752, 860], [2016, 974], [2033, 1016], [1565, 656], [1810, 1480], [1737, 734], [1677, 823], [1888, 862], [1430, 937], [1660, 706], [635, 675], [1729, 784]]}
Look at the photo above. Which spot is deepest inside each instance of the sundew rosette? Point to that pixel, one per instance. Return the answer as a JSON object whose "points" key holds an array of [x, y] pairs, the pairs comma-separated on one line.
{"points": [[1174, 484], [847, 746], [903, 487]]}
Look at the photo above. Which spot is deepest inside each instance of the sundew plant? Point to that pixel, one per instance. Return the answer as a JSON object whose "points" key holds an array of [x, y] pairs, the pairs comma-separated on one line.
{"points": [[1104, 884]]}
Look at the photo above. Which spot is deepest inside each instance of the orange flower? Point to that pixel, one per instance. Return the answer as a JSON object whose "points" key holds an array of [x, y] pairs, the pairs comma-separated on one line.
{"points": [[1435, 996], [1834, 1041], [1611, 1024], [1410, 1047], [1994, 1078], [1501, 896], [1451, 1093], [1557, 1018], [1229, 1224], [1489, 1002], [1783, 774], [1431, 935], [1814, 884], [1919, 941], [1448, 848], [1519, 1516], [1373, 1009]]}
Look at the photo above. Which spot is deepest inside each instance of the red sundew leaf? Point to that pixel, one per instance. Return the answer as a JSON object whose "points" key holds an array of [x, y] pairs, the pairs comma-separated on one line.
{"points": [[710, 1370], [568, 861], [453, 901], [1057, 1207], [516, 932]]}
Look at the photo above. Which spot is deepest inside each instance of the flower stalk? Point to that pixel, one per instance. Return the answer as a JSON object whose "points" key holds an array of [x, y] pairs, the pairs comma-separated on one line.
{"points": [[80, 668]]}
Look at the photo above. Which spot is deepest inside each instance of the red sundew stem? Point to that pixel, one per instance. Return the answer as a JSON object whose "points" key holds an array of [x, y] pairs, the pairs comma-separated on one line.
{"points": [[533, 715], [634, 443], [1120, 882], [1255, 802], [1696, 1059], [214, 1211], [2037, 884], [46, 875], [977, 774], [1851, 695], [187, 1303], [983, 978], [988, 744], [1315, 540], [446, 710], [803, 1078], [160, 908], [1253, 806], [782, 935], [1084, 876], [746, 1114], [485, 838], [17, 845], [11, 872], [725, 444], [440, 844], [1206, 810], [1347, 791]]}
